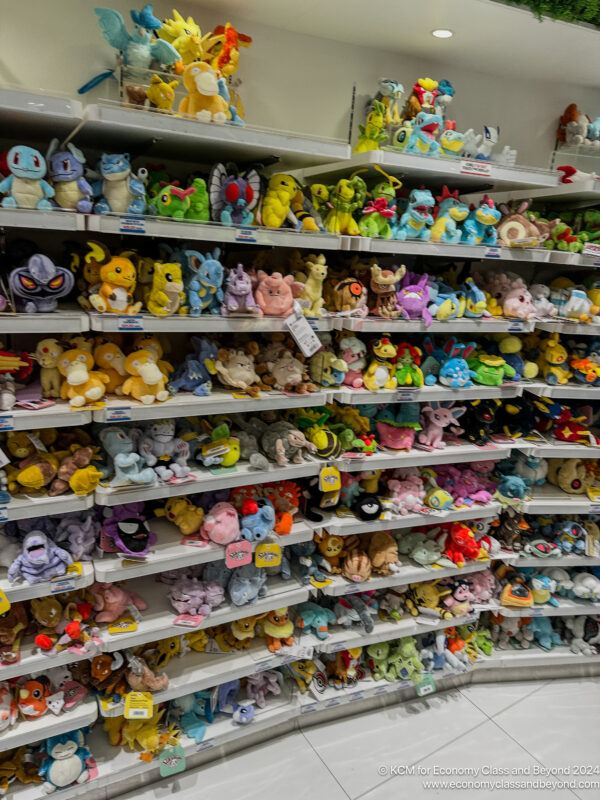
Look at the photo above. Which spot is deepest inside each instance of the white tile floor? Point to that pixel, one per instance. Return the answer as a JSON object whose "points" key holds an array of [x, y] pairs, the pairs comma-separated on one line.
{"points": [[483, 728]]}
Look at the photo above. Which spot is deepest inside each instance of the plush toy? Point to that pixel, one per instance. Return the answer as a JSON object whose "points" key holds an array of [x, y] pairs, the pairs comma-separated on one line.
{"points": [[128, 466], [163, 451], [278, 628], [112, 601], [110, 360], [147, 383], [380, 372], [236, 368], [117, 276], [383, 285], [47, 354], [208, 97], [326, 369], [183, 513], [166, 297], [141, 48], [38, 284], [188, 595], [274, 294], [118, 191], [128, 530], [161, 94], [247, 584], [313, 287], [203, 282], [25, 186], [40, 560], [221, 524], [190, 205], [479, 226], [306, 563], [233, 194], [312, 617], [33, 697], [416, 221], [81, 384], [515, 229], [258, 519], [65, 170], [238, 297]]}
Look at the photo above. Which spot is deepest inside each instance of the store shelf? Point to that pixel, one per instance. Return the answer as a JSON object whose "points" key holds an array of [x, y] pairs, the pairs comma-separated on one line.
{"points": [[61, 321], [167, 228], [408, 573], [343, 639], [458, 252], [407, 394], [66, 583], [205, 481], [452, 454], [157, 620], [549, 499], [568, 391], [350, 526], [26, 115], [562, 194], [26, 507], [565, 561], [32, 219], [568, 327], [199, 142], [556, 449], [33, 661], [534, 657], [566, 608], [479, 326], [431, 171], [58, 415], [205, 323], [36, 730], [169, 552], [196, 671], [185, 404]]}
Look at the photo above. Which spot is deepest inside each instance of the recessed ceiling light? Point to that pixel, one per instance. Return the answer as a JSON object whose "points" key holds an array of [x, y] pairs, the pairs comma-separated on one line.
{"points": [[442, 33]]}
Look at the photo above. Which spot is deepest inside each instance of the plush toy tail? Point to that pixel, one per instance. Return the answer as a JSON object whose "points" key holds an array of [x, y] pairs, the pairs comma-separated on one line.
{"points": [[109, 73]]}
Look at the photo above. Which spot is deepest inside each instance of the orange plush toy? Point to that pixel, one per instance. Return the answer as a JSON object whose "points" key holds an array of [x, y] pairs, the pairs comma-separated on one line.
{"points": [[570, 114]]}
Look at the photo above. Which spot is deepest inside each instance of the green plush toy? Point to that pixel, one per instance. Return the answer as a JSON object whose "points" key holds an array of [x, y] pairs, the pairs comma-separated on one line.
{"points": [[183, 204]]}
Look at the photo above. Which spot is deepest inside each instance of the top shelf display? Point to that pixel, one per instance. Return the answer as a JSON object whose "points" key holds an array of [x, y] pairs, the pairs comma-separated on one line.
{"points": [[37, 116], [461, 173]]}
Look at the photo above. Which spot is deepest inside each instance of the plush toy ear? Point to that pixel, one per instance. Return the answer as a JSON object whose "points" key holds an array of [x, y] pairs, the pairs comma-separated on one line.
{"points": [[522, 207], [222, 354], [76, 153], [252, 348]]}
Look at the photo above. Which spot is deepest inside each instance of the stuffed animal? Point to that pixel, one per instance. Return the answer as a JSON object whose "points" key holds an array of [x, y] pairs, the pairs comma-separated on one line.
{"points": [[163, 451], [236, 368], [81, 385], [128, 466], [437, 417], [204, 279], [181, 512], [221, 524], [207, 98], [47, 354], [65, 170], [117, 282], [111, 601], [238, 297], [25, 186], [166, 296], [312, 617], [274, 294], [40, 560], [313, 288], [38, 284], [247, 584], [119, 192], [146, 382]]}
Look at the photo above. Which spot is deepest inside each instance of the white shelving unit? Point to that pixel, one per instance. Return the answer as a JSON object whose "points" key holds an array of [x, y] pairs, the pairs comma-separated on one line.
{"points": [[349, 526], [28, 507], [587, 191], [550, 499], [36, 730], [59, 322], [205, 142], [477, 326], [556, 449], [24, 113], [66, 583], [568, 391], [31, 218], [408, 573], [205, 481], [565, 561], [59, 415], [408, 394], [170, 552], [423, 169], [157, 620], [33, 661], [567, 327], [535, 656], [452, 454], [186, 404], [566, 608]]}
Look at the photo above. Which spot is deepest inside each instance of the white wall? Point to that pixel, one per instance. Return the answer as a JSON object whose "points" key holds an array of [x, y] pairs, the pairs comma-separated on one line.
{"points": [[290, 81]]}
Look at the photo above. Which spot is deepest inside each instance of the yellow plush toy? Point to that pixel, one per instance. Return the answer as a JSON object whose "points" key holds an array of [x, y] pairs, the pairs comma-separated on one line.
{"points": [[110, 360], [147, 382], [203, 100], [166, 295], [161, 94], [313, 288], [47, 354], [81, 385], [181, 512]]}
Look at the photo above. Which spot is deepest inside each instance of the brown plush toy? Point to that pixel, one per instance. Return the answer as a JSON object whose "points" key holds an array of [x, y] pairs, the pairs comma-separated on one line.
{"points": [[383, 552]]}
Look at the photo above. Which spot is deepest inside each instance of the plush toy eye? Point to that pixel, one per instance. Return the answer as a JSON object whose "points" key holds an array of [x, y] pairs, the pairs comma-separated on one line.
{"points": [[36, 161], [65, 164], [109, 356], [232, 193], [169, 277], [37, 694], [118, 270], [137, 364], [82, 358], [16, 159], [57, 282], [27, 283], [165, 198], [196, 70], [189, 33]]}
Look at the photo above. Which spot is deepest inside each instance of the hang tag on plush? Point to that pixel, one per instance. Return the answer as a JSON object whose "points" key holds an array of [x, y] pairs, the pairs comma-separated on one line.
{"points": [[56, 702], [320, 584], [172, 761], [4, 459], [426, 685], [4, 603], [304, 336], [123, 625], [238, 554], [138, 705], [37, 442], [267, 554], [330, 479]]}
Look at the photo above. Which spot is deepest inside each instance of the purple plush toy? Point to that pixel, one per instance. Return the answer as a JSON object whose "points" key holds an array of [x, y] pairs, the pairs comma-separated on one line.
{"points": [[191, 596], [81, 532], [40, 560], [413, 300], [238, 294], [127, 529]]}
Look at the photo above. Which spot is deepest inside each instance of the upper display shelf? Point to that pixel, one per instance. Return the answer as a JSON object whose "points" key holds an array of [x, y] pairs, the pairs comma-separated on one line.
{"points": [[38, 116], [586, 192], [179, 138], [460, 173]]}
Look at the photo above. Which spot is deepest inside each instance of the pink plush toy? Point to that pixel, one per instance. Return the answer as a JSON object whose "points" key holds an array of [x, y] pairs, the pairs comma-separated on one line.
{"points": [[274, 294], [436, 417], [354, 353], [518, 303], [460, 599], [407, 495], [483, 586], [112, 601], [222, 525]]}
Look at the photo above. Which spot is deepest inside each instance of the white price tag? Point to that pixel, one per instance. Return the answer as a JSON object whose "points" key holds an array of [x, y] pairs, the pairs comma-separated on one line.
{"points": [[406, 393], [515, 325], [37, 442], [245, 235], [132, 225], [4, 459], [472, 166], [6, 422], [304, 336], [130, 323], [492, 252], [3, 514], [118, 414], [591, 249], [527, 241]]}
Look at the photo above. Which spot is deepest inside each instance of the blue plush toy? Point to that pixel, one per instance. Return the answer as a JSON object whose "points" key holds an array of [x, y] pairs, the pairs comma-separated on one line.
{"points": [[311, 616], [65, 169], [258, 519], [118, 191], [126, 464], [65, 762], [25, 187], [305, 562], [204, 279], [196, 711], [194, 375], [544, 633], [139, 49], [513, 487], [414, 222], [247, 584], [422, 140]]}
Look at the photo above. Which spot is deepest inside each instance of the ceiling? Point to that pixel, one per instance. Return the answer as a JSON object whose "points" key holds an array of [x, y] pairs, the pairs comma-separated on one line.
{"points": [[498, 38]]}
